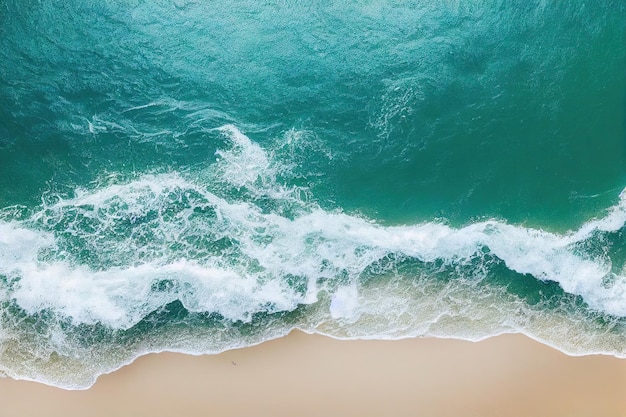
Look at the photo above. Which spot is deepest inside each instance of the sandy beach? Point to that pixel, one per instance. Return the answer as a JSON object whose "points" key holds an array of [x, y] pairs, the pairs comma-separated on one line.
{"points": [[311, 375]]}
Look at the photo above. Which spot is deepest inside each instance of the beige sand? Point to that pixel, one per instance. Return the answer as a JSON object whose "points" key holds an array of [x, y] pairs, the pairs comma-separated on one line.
{"points": [[304, 375]]}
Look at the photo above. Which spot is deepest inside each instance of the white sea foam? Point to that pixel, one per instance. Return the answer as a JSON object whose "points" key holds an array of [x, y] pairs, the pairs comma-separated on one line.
{"points": [[119, 298], [317, 247], [113, 254]]}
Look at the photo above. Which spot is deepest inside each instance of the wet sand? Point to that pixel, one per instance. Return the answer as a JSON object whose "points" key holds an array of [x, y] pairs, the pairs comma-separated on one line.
{"points": [[310, 375]]}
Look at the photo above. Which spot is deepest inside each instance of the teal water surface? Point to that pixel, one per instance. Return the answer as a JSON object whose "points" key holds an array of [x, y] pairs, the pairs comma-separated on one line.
{"points": [[198, 176]]}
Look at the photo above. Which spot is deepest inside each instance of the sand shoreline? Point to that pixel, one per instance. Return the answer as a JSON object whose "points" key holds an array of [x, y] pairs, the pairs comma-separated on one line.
{"points": [[312, 375]]}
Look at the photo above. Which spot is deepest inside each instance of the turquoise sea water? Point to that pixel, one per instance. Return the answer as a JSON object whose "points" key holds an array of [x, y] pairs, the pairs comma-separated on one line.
{"points": [[198, 175]]}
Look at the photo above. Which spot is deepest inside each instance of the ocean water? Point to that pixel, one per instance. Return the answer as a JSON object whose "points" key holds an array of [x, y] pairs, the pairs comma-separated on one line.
{"points": [[197, 176]]}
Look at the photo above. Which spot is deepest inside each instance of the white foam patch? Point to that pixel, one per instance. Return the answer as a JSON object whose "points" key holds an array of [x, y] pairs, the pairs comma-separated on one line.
{"points": [[247, 165], [119, 298], [20, 246], [161, 231], [345, 304], [246, 162]]}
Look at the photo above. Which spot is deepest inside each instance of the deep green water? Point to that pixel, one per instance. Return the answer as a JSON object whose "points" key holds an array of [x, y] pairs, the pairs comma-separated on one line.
{"points": [[203, 175]]}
